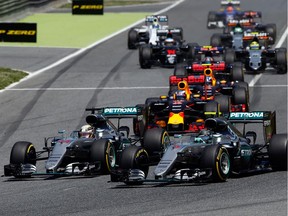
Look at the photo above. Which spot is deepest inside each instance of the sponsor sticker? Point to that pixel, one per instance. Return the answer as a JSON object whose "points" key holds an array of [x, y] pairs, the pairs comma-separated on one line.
{"points": [[120, 111], [246, 115]]}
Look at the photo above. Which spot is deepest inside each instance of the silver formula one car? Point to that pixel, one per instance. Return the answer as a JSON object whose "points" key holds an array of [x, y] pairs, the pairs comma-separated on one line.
{"points": [[213, 154], [93, 150]]}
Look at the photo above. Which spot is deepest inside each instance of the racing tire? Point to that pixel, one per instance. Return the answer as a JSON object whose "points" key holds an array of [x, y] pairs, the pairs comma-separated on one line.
{"points": [[277, 151], [145, 55], [224, 102], [134, 157], [240, 96], [191, 55], [216, 40], [281, 60], [156, 141], [132, 39], [139, 125], [217, 159], [229, 56], [211, 106], [237, 72], [103, 151], [212, 17], [23, 153], [271, 29]]}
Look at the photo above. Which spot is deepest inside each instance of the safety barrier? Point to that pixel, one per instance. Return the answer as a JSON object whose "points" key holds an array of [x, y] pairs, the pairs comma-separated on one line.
{"points": [[8, 7]]}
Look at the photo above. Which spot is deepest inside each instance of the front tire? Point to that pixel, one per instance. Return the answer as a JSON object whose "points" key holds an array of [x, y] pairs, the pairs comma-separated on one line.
{"points": [[134, 157], [103, 151], [23, 153], [217, 159], [278, 152]]}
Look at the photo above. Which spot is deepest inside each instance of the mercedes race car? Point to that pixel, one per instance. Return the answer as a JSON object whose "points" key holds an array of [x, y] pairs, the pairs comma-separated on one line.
{"points": [[155, 30], [93, 150], [214, 154]]}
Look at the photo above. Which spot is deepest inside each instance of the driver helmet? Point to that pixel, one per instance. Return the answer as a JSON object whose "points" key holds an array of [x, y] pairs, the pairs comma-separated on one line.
{"points": [[254, 45], [86, 131], [180, 95], [169, 42], [208, 60], [229, 9], [238, 30], [155, 23]]}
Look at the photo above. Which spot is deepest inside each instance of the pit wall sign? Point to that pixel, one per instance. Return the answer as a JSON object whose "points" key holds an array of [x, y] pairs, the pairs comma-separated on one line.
{"points": [[18, 32], [87, 7]]}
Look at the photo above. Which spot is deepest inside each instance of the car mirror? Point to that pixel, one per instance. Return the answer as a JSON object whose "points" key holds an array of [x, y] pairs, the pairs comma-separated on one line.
{"points": [[251, 134]]}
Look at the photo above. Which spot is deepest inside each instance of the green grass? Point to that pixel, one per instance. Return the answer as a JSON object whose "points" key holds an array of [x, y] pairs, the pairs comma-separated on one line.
{"points": [[9, 76], [76, 31]]}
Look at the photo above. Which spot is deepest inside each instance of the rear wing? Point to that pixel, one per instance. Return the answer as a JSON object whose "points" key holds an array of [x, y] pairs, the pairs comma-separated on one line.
{"points": [[233, 3], [117, 112], [158, 18], [209, 50], [266, 118]]}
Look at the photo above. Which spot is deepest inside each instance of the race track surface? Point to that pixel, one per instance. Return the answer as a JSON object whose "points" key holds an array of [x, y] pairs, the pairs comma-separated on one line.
{"points": [[57, 98]]}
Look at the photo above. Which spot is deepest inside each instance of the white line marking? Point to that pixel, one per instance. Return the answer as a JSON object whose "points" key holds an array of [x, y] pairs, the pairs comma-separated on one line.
{"points": [[120, 88], [80, 51], [269, 86], [103, 88], [279, 44]]}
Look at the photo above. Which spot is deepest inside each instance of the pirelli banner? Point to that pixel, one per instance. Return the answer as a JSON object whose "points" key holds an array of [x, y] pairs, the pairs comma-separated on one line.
{"points": [[83, 7], [18, 32]]}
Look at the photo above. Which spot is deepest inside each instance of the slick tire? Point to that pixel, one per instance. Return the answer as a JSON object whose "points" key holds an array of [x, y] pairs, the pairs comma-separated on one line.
{"points": [[212, 106], [278, 152], [229, 56], [271, 29], [216, 40], [217, 159], [145, 55], [139, 124], [103, 151], [239, 96], [237, 72], [281, 60], [156, 141], [224, 102], [191, 55], [212, 17], [134, 157], [23, 153], [132, 39]]}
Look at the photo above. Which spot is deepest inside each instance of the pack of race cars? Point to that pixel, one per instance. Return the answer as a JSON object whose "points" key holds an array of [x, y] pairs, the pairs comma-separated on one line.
{"points": [[191, 134]]}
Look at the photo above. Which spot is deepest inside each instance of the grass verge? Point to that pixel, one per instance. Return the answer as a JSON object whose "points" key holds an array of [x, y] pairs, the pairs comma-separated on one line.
{"points": [[9, 76]]}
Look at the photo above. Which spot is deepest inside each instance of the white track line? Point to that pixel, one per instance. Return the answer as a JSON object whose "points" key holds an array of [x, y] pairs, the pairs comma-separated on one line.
{"points": [[279, 44], [80, 51]]}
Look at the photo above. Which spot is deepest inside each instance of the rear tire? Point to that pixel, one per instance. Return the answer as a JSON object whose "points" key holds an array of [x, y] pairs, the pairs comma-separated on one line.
{"points": [[132, 39], [156, 141], [103, 150], [278, 152], [224, 101], [212, 17], [229, 56], [237, 72], [216, 40], [281, 60], [239, 96], [145, 55], [216, 158]]}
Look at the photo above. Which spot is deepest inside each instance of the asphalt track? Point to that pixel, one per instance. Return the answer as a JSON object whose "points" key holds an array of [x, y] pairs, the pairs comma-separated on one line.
{"points": [[56, 99]]}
